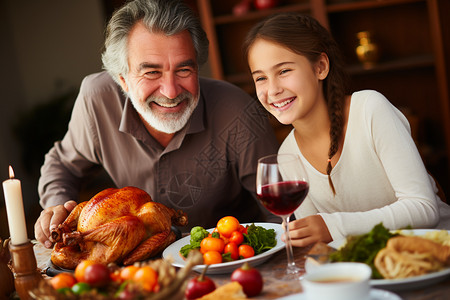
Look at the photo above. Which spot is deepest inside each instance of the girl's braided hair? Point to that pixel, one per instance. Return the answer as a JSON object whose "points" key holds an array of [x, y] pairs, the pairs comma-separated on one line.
{"points": [[305, 36]]}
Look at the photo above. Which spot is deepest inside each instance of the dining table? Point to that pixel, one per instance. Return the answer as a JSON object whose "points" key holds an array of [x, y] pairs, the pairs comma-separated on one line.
{"points": [[275, 266]]}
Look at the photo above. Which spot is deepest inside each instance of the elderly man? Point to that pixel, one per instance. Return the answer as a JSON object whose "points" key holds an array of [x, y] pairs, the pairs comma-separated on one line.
{"points": [[149, 121]]}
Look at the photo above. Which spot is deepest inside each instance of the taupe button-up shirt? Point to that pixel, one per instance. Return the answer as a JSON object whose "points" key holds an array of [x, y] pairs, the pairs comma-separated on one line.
{"points": [[207, 170]]}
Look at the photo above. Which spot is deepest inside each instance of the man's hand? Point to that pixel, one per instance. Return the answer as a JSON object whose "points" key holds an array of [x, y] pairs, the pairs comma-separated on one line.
{"points": [[49, 219]]}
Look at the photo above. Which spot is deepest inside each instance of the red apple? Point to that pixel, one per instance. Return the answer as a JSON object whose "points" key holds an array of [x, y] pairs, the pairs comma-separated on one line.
{"points": [[264, 4], [242, 7], [97, 275], [199, 286], [250, 279]]}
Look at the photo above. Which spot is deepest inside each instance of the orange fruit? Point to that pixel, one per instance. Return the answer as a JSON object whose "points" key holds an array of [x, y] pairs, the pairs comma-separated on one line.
{"points": [[146, 277], [81, 268], [212, 244], [212, 257], [128, 272], [62, 280], [227, 225]]}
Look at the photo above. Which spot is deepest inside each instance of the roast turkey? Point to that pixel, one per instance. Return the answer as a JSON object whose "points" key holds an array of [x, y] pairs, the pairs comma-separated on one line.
{"points": [[116, 225]]}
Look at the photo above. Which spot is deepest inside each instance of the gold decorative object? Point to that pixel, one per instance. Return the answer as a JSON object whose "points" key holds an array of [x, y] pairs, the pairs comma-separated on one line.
{"points": [[26, 273], [6, 276], [367, 51]]}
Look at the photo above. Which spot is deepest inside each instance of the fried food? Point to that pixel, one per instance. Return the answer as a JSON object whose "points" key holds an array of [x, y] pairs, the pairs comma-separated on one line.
{"points": [[408, 256]]}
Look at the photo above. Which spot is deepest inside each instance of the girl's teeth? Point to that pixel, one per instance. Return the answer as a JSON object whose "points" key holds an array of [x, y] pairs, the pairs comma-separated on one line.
{"points": [[281, 104]]}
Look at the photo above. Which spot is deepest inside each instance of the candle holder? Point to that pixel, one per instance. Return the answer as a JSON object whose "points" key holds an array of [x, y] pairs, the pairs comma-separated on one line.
{"points": [[26, 273], [6, 276]]}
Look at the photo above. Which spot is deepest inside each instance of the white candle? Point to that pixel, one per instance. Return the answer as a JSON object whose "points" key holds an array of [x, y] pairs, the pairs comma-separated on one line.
{"points": [[14, 209]]}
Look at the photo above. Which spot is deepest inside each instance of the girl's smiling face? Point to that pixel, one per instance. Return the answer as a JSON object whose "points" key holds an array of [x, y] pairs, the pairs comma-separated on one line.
{"points": [[287, 84]]}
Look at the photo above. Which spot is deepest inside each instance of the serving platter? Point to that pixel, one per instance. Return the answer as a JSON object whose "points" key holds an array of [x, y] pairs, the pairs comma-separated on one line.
{"points": [[172, 252], [397, 284]]}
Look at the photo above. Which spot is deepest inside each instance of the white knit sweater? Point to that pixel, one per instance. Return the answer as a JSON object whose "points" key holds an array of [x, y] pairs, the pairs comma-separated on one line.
{"points": [[380, 176]]}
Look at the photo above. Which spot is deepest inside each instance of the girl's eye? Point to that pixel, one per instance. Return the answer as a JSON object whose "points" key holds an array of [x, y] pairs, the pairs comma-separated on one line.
{"points": [[259, 79], [284, 71]]}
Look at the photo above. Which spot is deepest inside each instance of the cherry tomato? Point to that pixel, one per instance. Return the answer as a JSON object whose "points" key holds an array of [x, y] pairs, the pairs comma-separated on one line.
{"points": [[243, 229], [237, 237], [232, 248], [212, 244], [115, 276], [250, 279], [62, 280], [227, 225], [147, 277], [212, 257], [246, 251]]}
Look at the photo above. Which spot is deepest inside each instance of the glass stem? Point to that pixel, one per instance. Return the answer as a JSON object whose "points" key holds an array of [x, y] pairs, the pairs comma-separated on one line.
{"points": [[291, 267]]}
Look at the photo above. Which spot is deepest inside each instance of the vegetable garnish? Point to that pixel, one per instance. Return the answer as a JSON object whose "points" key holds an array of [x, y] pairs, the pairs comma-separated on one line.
{"points": [[259, 238], [364, 248], [256, 237], [198, 233]]}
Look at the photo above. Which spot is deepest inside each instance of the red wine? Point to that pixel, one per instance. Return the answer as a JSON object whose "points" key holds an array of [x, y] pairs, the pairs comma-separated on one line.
{"points": [[284, 197]]}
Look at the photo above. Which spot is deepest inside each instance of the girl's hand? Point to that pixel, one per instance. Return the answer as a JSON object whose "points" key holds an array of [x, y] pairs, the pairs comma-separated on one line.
{"points": [[308, 231]]}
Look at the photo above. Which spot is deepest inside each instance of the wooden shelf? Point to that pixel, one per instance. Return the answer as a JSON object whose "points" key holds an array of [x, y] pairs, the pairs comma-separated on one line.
{"points": [[260, 14], [401, 64], [366, 4]]}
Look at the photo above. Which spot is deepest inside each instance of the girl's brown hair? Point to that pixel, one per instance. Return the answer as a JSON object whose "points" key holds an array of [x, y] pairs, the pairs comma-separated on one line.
{"points": [[304, 35]]}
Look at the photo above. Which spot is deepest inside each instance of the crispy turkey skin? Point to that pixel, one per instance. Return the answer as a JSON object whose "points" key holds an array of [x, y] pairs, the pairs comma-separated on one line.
{"points": [[116, 225]]}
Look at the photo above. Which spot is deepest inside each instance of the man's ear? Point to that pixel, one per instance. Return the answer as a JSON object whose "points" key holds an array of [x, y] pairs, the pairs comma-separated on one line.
{"points": [[123, 83], [322, 66]]}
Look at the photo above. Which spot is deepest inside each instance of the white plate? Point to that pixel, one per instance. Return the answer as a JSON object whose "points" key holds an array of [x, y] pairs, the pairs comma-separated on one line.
{"points": [[226, 267], [375, 294], [399, 284]]}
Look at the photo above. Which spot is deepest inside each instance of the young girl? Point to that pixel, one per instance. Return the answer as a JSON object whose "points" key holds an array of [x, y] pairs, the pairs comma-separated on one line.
{"points": [[361, 160]]}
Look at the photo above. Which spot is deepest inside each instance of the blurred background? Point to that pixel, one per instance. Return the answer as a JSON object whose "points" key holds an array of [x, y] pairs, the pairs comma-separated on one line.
{"points": [[48, 46]]}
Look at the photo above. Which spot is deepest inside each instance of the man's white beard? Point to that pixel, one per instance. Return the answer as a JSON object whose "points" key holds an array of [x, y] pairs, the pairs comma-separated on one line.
{"points": [[169, 122]]}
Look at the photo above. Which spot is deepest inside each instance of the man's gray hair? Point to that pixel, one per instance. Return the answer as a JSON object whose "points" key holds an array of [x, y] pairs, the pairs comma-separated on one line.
{"points": [[160, 16]]}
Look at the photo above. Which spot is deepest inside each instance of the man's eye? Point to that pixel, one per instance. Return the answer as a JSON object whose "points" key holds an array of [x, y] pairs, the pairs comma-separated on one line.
{"points": [[184, 72], [153, 74]]}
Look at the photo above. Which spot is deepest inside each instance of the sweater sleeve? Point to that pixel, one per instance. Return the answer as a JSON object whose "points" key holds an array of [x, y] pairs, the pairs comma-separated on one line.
{"points": [[415, 202]]}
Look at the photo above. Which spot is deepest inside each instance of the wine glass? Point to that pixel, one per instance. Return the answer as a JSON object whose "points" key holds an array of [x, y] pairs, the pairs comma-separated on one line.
{"points": [[281, 186]]}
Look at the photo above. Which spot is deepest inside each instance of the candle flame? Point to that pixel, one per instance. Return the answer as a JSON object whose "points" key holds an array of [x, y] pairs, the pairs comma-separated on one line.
{"points": [[11, 172]]}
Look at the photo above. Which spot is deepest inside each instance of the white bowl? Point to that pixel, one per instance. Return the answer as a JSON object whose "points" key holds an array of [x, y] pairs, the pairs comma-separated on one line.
{"points": [[338, 281]]}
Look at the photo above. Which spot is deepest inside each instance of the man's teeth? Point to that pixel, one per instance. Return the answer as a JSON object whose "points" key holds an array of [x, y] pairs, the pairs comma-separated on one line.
{"points": [[281, 104], [168, 105]]}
